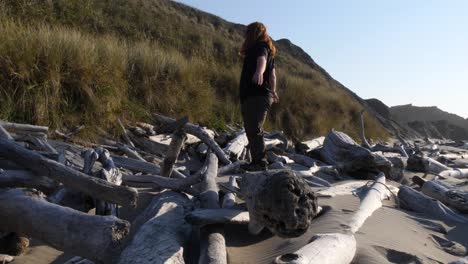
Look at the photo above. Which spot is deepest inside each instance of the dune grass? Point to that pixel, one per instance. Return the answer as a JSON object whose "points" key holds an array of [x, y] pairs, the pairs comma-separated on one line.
{"points": [[64, 63]]}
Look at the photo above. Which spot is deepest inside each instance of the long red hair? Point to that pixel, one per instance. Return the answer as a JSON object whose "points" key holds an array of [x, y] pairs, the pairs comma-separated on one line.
{"points": [[257, 32]]}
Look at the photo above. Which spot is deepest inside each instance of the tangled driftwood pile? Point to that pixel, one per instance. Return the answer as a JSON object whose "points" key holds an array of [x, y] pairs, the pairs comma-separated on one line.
{"points": [[196, 183]]}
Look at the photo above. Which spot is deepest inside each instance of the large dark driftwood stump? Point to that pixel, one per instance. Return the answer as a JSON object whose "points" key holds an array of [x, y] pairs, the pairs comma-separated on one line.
{"points": [[280, 201]]}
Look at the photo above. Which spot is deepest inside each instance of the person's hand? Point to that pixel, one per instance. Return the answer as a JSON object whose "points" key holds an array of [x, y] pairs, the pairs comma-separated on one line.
{"points": [[275, 97], [257, 78]]}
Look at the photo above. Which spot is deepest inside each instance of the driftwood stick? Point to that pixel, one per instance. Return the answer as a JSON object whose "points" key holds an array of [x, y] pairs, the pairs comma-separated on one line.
{"points": [[201, 134], [364, 141], [217, 216], [4, 134], [130, 152], [161, 239], [177, 142], [125, 134], [94, 237], [69, 177]]}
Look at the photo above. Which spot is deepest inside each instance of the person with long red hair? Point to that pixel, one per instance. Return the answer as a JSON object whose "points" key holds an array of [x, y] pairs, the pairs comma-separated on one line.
{"points": [[257, 89]]}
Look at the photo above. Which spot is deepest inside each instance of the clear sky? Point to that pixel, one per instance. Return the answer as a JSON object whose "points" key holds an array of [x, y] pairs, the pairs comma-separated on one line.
{"points": [[399, 51]]}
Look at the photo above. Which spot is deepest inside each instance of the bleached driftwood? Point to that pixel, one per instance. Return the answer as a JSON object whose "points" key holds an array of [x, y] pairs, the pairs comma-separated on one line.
{"points": [[6, 258], [303, 160], [26, 179], [148, 145], [347, 188], [371, 202], [94, 237], [213, 244], [164, 182], [237, 145], [278, 200], [426, 164], [229, 199], [125, 134], [324, 249], [454, 198], [130, 152], [342, 151], [177, 142], [364, 141], [26, 128], [231, 167], [339, 248], [4, 134], [201, 134], [418, 202], [69, 135], [161, 239], [217, 216], [142, 166], [310, 145], [456, 173], [69, 177], [147, 127]]}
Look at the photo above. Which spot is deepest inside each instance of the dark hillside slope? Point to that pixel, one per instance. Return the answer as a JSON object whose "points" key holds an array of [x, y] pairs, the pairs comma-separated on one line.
{"points": [[64, 63], [431, 121]]}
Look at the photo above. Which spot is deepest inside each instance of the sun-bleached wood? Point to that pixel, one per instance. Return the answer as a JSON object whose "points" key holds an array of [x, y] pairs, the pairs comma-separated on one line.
{"points": [[213, 244], [69, 177], [201, 134], [217, 216], [332, 248], [26, 179], [94, 237], [454, 198], [161, 239], [415, 201]]}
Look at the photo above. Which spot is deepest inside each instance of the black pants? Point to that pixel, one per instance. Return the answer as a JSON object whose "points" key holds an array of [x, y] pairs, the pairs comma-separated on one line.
{"points": [[254, 111]]}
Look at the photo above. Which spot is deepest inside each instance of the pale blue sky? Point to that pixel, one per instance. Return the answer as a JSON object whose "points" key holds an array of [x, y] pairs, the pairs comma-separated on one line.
{"points": [[399, 51]]}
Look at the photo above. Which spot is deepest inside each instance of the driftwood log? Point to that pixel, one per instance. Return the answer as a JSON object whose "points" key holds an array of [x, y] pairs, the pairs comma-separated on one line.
{"points": [[415, 201], [212, 242], [343, 152], [339, 248], [456, 173], [26, 179], [25, 128], [237, 145], [201, 134], [94, 237], [161, 239], [454, 198], [69, 177], [280, 201], [203, 217], [324, 249]]}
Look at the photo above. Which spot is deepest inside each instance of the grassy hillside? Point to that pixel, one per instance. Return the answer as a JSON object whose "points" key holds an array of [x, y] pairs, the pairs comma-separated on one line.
{"points": [[68, 62]]}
